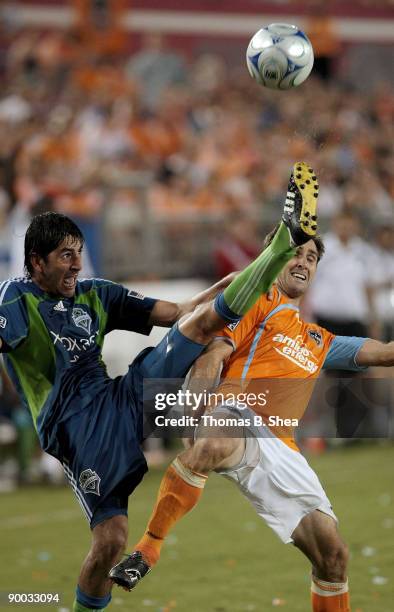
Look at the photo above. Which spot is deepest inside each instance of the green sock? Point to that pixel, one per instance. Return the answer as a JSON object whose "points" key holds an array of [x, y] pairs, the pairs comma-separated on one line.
{"points": [[258, 277], [77, 607]]}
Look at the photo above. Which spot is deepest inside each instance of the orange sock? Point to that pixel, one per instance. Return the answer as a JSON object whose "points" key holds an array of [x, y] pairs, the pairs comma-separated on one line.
{"points": [[329, 596], [179, 492]]}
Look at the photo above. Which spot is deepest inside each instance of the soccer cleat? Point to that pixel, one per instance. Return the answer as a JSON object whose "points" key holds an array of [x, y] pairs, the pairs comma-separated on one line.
{"points": [[130, 571], [299, 214]]}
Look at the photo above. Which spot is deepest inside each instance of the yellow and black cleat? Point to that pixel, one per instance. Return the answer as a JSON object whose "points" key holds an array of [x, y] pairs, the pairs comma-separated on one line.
{"points": [[299, 214]]}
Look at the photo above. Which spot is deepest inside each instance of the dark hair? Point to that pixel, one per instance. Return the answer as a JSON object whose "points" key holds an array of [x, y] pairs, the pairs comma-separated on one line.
{"points": [[318, 240], [45, 233]]}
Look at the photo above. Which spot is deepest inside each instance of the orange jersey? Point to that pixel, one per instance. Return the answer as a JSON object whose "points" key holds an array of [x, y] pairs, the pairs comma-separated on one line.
{"points": [[277, 355]]}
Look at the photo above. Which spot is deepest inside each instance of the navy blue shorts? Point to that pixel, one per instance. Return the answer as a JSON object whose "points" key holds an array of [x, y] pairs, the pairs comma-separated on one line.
{"points": [[101, 451]]}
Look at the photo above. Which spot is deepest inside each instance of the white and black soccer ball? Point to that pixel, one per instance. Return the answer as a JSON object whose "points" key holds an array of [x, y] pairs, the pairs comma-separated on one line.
{"points": [[280, 56]]}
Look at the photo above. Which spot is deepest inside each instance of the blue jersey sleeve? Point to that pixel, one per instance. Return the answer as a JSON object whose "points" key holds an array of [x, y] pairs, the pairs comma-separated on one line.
{"points": [[343, 353], [14, 325], [126, 309]]}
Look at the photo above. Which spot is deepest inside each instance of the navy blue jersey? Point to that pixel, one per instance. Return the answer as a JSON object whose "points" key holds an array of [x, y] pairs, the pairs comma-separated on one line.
{"points": [[53, 346]]}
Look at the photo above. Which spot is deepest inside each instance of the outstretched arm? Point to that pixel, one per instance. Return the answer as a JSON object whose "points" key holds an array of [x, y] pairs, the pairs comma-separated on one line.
{"points": [[204, 376], [165, 314], [375, 353], [206, 370]]}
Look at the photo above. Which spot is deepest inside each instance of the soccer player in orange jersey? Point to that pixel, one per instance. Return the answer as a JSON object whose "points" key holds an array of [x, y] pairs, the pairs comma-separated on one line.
{"points": [[273, 343]]}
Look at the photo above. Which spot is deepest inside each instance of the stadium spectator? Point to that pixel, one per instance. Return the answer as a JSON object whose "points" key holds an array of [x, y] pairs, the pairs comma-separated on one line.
{"points": [[347, 310], [384, 279], [342, 302], [155, 67]]}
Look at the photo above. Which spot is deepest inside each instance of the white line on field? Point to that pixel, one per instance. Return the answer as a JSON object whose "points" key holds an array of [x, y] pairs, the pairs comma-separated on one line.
{"points": [[29, 520]]}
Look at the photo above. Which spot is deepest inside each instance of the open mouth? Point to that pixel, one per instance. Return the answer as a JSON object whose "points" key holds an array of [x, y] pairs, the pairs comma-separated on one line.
{"points": [[69, 282], [299, 276]]}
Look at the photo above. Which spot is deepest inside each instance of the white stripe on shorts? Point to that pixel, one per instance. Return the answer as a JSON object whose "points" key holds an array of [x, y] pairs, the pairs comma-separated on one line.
{"points": [[70, 477]]}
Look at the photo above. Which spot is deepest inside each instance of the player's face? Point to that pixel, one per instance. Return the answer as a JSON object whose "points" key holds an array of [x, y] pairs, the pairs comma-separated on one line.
{"points": [[58, 273], [298, 273]]}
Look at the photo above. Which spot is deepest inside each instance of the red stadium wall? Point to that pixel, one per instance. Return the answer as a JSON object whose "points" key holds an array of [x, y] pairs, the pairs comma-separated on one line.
{"points": [[339, 8], [352, 21]]}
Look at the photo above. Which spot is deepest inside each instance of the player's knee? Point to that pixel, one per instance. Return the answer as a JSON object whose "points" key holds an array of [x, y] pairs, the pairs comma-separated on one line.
{"points": [[333, 565], [107, 552], [109, 545], [208, 453]]}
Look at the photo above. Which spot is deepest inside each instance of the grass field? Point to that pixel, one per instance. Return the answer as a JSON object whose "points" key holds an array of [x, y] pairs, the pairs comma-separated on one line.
{"points": [[221, 558]]}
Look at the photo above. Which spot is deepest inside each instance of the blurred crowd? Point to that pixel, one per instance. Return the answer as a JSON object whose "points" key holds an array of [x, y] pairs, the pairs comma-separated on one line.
{"points": [[199, 150], [80, 133]]}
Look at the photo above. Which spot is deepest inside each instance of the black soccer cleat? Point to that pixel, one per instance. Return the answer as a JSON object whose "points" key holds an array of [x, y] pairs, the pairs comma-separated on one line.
{"points": [[130, 571], [299, 214]]}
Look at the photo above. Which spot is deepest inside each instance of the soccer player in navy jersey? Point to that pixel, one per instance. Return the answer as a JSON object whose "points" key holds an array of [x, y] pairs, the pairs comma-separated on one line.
{"points": [[52, 329]]}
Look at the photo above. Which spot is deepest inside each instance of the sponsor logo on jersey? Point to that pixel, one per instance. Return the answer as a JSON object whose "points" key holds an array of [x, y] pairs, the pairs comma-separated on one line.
{"points": [[3, 322], [89, 481], [136, 295], [232, 326], [74, 344], [60, 307], [316, 336], [295, 351], [82, 319]]}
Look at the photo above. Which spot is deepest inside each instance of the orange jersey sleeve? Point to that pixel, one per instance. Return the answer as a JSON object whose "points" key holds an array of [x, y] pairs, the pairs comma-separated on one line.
{"points": [[241, 334]]}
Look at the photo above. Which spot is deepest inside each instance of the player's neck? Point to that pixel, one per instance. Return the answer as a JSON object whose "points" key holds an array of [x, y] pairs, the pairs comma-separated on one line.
{"points": [[43, 286], [48, 290], [290, 300]]}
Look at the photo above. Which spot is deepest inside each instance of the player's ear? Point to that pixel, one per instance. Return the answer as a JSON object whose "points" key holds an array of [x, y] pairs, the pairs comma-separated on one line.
{"points": [[36, 262]]}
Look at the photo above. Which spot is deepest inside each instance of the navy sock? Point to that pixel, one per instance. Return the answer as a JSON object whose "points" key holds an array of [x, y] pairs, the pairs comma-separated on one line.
{"points": [[85, 602]]}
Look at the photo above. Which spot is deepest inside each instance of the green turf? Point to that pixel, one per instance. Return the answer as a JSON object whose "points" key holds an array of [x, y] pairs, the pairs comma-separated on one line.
{"points": [[221, 558]]}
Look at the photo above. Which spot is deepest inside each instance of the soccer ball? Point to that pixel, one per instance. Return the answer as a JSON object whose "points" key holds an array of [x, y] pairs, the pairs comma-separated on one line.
{"points": [[279, 56]]}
